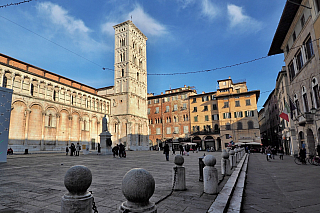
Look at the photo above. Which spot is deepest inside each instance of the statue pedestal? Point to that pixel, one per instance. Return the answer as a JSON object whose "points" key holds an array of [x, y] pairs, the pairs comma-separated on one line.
{"points": [[105, 143]]}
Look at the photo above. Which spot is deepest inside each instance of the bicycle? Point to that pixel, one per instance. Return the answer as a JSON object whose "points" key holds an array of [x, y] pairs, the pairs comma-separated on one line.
{"points": [[314, 160], [298, 160]]}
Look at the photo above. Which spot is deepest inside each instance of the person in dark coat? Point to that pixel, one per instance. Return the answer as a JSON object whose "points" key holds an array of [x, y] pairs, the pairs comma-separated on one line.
{"points": [[121, 150], [303, 155], [281, 153], [115, 150], [166, 151], [318, 150], [181, 149]]}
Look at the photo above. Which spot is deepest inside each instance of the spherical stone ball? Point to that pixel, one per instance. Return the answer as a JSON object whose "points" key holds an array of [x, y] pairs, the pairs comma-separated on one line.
{"points": [[78, 179], [225, 155], [236, 150], [209, 160], [232, 152], [178, 160], [138, 185]]}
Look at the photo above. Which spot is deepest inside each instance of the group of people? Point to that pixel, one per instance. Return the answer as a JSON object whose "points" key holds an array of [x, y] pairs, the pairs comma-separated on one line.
{"points": [[272, 151], [119, 150], [10, 151], [74, 149]]}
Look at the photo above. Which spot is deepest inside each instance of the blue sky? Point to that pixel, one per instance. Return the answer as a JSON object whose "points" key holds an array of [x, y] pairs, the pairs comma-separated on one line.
{"points": [[183, 36]]}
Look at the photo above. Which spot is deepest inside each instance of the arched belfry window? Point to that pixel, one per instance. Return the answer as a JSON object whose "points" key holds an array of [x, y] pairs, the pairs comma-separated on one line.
{"points": [[4, 82], [315, 91], [137, 76], [122, 73], [31, 89], [50, 120]]}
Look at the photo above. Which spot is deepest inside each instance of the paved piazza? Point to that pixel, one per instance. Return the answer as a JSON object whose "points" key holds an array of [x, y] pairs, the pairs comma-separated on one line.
{"points": [[34, 182]]}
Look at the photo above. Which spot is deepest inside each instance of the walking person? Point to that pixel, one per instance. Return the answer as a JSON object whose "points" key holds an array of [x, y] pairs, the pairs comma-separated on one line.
{"points": [[173, 151], [318, 149], [303, 155], [115, 150], [281, 152], [181, 149], [72, 149], [166, 151], [67, 150], [78, 148], [121, 150]]}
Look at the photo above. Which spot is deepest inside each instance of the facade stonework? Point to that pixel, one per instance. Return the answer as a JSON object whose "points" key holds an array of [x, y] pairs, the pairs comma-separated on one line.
{"points": [[129, 119], [49, 112]]}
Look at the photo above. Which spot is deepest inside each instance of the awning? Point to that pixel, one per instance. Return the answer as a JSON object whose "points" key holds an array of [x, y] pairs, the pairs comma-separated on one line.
{"points": [[247, 143], [189, 143]]}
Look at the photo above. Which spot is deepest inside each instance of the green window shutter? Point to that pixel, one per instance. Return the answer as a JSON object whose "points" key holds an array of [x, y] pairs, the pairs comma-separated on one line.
{"points": [[235, 114]]}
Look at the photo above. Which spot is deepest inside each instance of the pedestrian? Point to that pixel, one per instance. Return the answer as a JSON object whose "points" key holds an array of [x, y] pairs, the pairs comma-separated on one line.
{"points": [[115, 150], [303, 155], [173, 151], [121, 151], [78, 148], [188, 150], [67, 150], [166, 151], [281, 152], [181, 149], [72, 149], [273, 151], [99, 149], [268, 153], [318, 149]]}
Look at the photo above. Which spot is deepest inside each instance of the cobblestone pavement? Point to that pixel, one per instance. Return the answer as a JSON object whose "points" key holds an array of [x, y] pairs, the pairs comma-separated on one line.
{"points": [[34, 182], [281, 186]]}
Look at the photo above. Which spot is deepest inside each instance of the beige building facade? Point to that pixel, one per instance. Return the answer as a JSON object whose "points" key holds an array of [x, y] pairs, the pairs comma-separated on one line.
{"points": [[297, 37], [49, 112]]}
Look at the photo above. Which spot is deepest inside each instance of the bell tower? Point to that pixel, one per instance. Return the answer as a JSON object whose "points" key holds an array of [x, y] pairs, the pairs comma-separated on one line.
{"points": [[129, 104]]}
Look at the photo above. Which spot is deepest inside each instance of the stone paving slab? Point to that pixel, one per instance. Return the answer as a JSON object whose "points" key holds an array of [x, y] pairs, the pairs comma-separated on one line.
{"points": [[34, 183], [280, 186]]}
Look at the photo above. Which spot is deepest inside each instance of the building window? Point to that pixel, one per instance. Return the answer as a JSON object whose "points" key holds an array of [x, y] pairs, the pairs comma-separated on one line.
{"points": [[291, 70], [238, 114], [50, 120], [176, 130], [315, 89], [205, 108], [248, 102], [31, 89], [249, 113], [308, 48], [299, 61], [237, 103], [237, 90], [185, 129], [305, 100], [175, 107], [184, 106], [205, 98], [296, 101], [175, 119], [168, 130], [148, 111], [194, 100], [215, 117], [195, 118], [214, 107], [206, 117], [302, 20], [149, 102], [157, 110], [158, 132], [250, 125], [194, 109], [226, 105], [122, 73], [226, 115], [156, 101], [239, 125], [167, 108]]}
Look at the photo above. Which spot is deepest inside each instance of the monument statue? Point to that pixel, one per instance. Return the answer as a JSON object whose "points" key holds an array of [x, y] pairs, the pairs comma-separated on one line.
{"points": [[104, 124]]}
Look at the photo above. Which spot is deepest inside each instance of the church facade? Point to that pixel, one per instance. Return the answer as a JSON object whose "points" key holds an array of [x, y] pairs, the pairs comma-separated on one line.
{"points": [[49, 111]]}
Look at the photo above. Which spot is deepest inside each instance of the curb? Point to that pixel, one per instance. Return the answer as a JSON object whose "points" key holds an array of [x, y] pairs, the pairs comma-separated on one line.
{"points": [[225, 201]]}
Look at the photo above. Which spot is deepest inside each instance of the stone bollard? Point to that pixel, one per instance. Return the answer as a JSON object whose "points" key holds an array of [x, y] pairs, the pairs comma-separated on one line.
{"points": [[210, 175], [232, 157], [138, 187], [77, 180], [225, 163], [237, 155], [179, 174]]}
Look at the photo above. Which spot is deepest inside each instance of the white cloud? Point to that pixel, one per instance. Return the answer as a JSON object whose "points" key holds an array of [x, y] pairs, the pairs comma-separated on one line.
{"points": [[208, 9], [186, 3], [60, 16], [240, 21], [60, 21], [147, 24]]}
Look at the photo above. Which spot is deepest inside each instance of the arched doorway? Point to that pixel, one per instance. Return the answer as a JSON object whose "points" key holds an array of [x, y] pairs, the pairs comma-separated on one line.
{"points": [[209, 142], [311, 142], [301, 139]]}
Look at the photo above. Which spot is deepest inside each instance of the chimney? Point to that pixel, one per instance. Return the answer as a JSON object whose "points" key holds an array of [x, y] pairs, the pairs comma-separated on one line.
{"points": [[185, 86], [203, 92], [161, 93], [229, 77]]}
